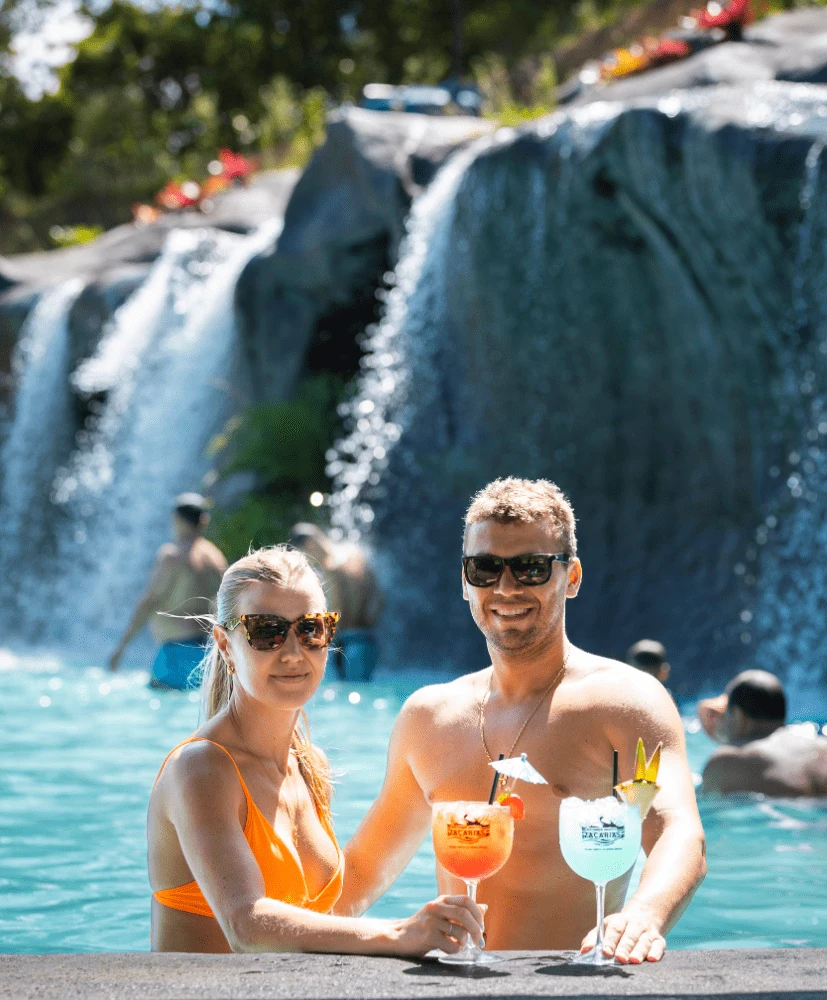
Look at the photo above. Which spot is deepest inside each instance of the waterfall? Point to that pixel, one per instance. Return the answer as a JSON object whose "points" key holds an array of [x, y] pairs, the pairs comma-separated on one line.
{"points": [[787, 613], [166, 375], [603, 299], [38, 439]]}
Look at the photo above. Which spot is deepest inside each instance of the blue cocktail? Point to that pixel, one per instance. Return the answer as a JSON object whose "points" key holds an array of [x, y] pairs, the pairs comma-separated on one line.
{"points": [[600, 840]]}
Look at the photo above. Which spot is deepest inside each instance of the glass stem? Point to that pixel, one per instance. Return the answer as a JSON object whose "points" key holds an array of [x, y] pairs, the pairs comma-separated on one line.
{"points": [[601, 910], [471, 888]]}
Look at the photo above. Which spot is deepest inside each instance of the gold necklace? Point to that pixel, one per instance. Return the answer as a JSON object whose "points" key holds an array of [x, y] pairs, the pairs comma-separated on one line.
{"points": [[291, 813], [484, 702]]}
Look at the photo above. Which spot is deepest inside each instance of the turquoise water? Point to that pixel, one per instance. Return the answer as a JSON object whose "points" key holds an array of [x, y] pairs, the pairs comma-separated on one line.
{"points": [[81, 749]]}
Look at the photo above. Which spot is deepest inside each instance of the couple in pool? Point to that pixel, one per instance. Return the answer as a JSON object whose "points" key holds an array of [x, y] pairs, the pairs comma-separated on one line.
{"points": [[242, 853]]}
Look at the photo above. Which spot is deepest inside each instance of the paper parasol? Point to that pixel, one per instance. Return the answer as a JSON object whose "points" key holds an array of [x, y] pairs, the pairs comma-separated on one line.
{"points": [[519, 769]]}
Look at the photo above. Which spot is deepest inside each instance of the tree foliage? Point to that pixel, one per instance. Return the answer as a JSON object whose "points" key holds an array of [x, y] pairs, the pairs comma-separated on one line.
{"points": [[157, 87]]}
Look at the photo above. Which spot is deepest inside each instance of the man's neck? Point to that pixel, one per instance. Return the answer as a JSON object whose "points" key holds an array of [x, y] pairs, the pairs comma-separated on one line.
{"points": [[520, 674]]}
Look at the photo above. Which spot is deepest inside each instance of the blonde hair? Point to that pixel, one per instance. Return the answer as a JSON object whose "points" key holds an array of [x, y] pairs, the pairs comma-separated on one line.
{"points": [[284, 566], [512, 500]]}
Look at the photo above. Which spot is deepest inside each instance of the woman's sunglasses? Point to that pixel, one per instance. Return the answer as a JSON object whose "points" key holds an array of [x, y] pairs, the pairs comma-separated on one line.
{"points": [[531, 571], [270, 631]]}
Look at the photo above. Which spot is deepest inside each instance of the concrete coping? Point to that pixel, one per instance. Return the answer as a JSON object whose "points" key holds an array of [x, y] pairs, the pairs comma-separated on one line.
{"points": [[792, 974]]}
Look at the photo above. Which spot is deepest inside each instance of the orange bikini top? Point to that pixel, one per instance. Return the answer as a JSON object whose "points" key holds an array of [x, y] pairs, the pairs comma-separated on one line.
{"points": [[279, 863]]}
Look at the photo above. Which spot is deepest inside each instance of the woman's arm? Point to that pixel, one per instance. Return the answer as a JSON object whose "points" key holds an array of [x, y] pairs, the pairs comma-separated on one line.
{"points": [[203, 799]]}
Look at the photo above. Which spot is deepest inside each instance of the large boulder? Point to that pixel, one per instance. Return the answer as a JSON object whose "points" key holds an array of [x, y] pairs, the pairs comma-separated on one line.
{"points": [[627, 298], [342, 229]]}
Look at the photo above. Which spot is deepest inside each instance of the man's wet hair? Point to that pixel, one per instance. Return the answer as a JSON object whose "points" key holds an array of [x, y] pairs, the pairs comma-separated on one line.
{"points": [[192, 508], [525, 501], [648, 655], [759, 695]]}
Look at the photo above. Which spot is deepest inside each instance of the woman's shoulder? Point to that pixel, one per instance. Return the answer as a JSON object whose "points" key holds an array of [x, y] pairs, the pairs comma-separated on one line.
{"points": [[199, 765]]}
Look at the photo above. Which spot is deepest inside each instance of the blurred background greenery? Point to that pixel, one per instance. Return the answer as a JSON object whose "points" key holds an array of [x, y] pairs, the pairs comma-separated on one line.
{"points": [[155, 88]]}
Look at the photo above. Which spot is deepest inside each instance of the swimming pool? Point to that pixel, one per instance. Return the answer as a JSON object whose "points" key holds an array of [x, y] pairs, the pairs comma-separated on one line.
{"points": [[81, 748]]}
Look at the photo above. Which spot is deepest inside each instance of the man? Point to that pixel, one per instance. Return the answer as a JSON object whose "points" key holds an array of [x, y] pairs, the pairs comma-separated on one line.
{"points": [[184, 581], [563, 707], [649, 655], [352, 590], [761, 753]]}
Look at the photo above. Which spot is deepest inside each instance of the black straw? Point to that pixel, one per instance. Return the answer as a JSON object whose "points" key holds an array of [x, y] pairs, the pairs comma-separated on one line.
{"points": [[614, 773], [496, 781]]}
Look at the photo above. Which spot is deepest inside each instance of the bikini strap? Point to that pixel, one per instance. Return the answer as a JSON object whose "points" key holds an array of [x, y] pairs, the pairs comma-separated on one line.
{"points": [[203, 739]]}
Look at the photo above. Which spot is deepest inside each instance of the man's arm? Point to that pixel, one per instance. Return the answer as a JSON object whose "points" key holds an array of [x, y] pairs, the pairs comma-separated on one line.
{"points": [[673, 837], [396, 824], [154, 599]]}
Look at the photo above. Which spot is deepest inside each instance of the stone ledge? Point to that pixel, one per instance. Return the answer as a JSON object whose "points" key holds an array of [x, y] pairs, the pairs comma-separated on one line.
{"points": [[737, 975]]}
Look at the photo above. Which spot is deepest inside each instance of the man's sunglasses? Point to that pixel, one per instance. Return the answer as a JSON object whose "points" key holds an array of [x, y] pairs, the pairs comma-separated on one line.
{"points": [[531, 571], [269, 631]]}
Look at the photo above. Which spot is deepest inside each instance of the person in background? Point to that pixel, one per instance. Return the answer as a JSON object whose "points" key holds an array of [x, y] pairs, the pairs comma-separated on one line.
{"points": [[352, 587], [649, 655], [761, 753], [183, 585]]}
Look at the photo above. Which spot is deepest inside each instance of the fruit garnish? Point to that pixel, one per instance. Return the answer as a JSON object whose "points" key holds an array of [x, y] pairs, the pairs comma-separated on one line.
{"points": [[643, 788], [514, 803]]}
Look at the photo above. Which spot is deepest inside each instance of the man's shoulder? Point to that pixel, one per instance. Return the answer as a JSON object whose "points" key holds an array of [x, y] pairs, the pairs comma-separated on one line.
{"points": [[446, 699], [612, 682]]}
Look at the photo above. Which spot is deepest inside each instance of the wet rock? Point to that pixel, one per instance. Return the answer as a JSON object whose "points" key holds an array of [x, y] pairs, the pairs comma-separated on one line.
{"points": [[622, 298], [342, 229]]}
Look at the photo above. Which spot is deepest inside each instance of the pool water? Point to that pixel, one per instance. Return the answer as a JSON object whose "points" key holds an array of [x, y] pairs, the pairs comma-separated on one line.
{"points": [[81, 749]]}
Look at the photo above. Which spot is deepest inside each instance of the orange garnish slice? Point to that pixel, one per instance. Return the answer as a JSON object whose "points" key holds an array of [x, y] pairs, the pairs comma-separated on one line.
{"points": [[514, 803]]}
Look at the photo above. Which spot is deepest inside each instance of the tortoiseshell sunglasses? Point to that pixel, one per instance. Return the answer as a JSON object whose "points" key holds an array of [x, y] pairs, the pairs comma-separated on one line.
{"points": [[270, 631]]}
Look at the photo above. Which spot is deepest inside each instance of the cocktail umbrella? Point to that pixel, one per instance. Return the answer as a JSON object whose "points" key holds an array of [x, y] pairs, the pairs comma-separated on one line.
{"points": [[519, 769]]}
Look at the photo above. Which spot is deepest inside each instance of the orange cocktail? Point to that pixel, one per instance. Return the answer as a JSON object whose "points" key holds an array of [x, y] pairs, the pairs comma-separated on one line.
{"points": [[472, 840]]}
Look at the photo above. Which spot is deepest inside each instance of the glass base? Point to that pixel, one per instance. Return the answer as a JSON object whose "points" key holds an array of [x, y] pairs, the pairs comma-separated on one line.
{"points": [[470, 956], [594, 957]]}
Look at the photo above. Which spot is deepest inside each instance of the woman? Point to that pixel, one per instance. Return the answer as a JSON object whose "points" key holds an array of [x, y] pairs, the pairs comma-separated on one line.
{"points": [[242, 855]]}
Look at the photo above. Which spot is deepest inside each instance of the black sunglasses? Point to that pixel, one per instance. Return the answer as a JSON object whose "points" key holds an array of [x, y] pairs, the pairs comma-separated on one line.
{"points": [[531, 570], [270, 631]]}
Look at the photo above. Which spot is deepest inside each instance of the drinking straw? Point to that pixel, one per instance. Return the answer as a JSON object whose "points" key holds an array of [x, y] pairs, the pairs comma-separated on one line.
{"points": [[614, 773], [496, 782]]}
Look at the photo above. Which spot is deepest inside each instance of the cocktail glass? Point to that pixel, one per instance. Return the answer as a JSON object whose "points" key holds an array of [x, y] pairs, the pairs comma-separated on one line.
{"points": [[600, 840], [472, 840]]}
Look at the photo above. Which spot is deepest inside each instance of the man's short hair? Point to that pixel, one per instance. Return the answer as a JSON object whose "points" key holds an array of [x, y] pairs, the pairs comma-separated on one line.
{"points": [[648, 655], [759, 695], [192, 508], [524, 501]]}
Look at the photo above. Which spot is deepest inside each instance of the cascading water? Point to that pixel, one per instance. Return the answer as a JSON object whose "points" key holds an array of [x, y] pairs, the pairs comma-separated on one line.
{"points": [[603, 299], [788, 611], [39, 436], [166, 375]]}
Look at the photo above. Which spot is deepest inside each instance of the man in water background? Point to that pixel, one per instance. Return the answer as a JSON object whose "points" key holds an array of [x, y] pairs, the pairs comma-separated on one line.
{"points": [[567, 710], [649, 655], [351, 587], [760, 752], [184, 581]]}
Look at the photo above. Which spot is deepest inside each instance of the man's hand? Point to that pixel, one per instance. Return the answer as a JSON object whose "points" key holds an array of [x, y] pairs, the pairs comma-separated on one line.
{"points": [[631, 937]]}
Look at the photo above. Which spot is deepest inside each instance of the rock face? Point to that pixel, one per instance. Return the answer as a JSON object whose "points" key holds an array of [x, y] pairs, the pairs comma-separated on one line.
{"points": [[341, 230], [628, 299], [789, 47]]}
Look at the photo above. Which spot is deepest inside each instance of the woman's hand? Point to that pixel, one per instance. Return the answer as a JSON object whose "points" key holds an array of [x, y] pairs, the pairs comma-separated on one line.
{"points": [[443, 923]]}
